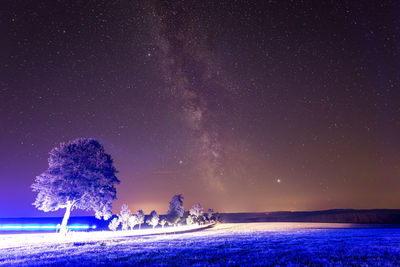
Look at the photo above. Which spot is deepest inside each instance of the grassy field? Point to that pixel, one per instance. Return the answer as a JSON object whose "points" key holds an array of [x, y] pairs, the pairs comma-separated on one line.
{"points": [[227, 244]]}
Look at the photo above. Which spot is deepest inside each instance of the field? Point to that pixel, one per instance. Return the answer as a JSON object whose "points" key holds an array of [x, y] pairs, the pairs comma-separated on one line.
{"points": [[226, 244]]}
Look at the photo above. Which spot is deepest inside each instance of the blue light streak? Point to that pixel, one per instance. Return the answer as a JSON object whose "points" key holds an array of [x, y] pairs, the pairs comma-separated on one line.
{"points": [[30, 227]]}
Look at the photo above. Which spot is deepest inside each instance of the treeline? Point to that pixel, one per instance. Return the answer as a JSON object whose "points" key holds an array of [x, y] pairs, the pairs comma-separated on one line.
{"points": [[176, 215]]}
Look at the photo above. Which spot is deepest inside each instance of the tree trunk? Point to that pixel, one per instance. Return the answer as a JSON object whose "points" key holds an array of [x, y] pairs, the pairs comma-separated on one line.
{"points": [[63, 228], [139, 225]]}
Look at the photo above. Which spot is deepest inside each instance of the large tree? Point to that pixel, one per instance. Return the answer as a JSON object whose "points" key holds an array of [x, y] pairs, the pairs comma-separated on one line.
{"points": [[175, 211], [80, 176]]}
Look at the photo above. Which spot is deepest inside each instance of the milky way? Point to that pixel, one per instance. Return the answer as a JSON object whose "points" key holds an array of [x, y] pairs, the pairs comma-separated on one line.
{"points": [[185, 61]]}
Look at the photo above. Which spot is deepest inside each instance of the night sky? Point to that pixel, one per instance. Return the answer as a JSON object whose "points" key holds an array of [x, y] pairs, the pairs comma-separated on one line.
{"points": [[238, 105]]}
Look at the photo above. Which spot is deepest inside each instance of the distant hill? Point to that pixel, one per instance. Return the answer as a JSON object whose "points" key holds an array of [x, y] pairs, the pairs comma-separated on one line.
{"points": [[377, 216]]}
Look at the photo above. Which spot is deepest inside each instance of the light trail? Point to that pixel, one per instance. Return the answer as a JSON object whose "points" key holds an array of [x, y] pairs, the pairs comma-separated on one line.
{"points": [[30, 227]]}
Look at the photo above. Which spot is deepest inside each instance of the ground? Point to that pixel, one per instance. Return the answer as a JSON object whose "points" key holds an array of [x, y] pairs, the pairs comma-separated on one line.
{"points": [[226, 244]]}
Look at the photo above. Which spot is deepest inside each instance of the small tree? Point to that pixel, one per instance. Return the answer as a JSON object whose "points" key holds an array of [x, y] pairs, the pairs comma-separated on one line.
{"points": [[124, 216], [175, 211], [140, 216], [80, 176], [210, 215], [114, 224], [196, 211], [153, 220], [190, 220], [132, 221], [163, 222]]}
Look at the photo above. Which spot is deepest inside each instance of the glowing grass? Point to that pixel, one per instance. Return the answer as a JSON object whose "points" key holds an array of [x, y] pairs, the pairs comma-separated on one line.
{"points": [[245, 244]]}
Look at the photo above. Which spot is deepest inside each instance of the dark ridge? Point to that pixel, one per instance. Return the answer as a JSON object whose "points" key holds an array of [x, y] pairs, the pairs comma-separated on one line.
{"points": [[376, 216]]}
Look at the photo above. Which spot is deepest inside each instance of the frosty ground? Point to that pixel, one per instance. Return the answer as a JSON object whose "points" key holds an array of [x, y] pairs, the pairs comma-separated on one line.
{"points": [[226, 244]]}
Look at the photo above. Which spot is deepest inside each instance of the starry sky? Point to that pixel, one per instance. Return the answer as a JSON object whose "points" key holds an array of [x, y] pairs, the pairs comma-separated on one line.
{"points": [[238, 105]]}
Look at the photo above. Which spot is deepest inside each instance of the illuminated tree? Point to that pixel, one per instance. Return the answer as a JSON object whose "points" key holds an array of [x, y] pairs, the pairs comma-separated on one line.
{"points": [[210, 215], [196, 211], [175, 211], [140, 217], [132, 221], [80, 176], [114, 224], [153, 219], [124, 216], [163, 221], [190, 220]]}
